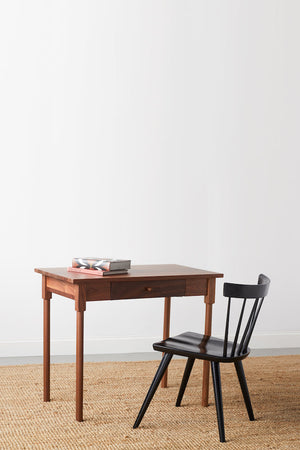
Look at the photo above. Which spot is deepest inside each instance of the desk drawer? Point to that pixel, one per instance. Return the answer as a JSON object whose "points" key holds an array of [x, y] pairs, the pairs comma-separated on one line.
{"points": [[147, 289]]}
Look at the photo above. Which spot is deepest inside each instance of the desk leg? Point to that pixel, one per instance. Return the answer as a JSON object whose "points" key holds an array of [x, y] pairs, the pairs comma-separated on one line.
{"points": [[209, 300], [166, 334], [79, 365], [205, 380], [46, 350]]}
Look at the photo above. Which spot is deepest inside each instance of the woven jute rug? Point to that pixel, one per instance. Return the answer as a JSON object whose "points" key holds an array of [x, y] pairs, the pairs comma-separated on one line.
{"points": [[113, 394]]}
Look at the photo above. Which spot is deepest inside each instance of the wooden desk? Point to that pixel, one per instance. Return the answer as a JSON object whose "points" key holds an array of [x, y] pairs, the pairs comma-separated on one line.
{"points": [[165, 280]]}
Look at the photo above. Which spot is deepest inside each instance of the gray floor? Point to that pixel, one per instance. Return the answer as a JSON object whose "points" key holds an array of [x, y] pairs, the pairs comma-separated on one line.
{"points": [[13, 361]]}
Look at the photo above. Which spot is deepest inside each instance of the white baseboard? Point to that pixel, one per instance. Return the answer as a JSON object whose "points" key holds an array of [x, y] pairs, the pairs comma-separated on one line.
{"points": [[128, 345], [92, 346], [284, 340]]}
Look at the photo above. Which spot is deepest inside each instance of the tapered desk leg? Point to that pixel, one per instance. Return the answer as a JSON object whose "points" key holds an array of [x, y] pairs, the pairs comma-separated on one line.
{"points": [[205, 383], [46, 350], [79, 365], [166, 334], [80, 306], [209, 300]]}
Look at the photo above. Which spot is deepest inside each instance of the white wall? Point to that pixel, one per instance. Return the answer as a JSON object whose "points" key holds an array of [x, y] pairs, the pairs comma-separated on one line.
{"points": [[162, 131]]}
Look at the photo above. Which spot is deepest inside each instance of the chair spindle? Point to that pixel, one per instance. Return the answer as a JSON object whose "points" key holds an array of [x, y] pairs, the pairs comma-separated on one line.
{"points": [[226, 328], [253, 324], [238, 328], [248, 325]]}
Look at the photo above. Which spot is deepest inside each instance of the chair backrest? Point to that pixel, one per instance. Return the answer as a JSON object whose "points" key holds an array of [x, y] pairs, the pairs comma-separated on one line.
{"points": [[245, 292]]}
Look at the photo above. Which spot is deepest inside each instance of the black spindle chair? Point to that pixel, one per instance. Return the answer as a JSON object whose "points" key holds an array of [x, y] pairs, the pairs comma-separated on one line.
{"points": [[199, 346]]}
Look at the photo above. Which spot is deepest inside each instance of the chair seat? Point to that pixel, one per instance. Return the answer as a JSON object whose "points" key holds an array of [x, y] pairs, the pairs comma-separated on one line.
{"points": [[198, 346]]}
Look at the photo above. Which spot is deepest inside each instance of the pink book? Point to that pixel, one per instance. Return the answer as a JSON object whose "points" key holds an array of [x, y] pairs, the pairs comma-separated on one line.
{"points": [[97, 273]]}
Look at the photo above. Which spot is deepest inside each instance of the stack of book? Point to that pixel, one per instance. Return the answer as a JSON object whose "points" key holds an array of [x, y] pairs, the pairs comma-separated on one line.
{"points": [[100, 266]]}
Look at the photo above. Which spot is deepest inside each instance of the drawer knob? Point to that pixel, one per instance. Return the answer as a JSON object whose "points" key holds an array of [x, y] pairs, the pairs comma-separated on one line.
{"points": [[149, 289]]}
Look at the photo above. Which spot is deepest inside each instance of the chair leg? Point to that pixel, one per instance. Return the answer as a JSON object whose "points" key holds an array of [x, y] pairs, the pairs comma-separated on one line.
{"points": [[185, 379], [242, 379], [154, 385], [215, 369]]}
